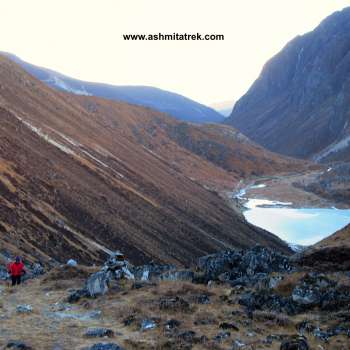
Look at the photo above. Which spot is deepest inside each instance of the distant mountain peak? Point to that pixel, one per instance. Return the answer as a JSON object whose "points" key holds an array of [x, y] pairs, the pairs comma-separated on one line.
{"points": [[174, 104]]}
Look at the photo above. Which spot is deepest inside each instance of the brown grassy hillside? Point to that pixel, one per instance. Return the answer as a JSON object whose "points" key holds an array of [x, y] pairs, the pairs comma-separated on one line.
{"points": [[80, 176]]}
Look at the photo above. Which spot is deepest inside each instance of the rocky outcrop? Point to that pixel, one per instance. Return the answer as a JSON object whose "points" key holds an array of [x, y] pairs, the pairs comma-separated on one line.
{"points": [[243, 267], [310, 292]]}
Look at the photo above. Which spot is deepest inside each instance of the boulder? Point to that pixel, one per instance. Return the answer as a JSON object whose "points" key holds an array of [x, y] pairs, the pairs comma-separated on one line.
{"points": [[105, 346], [76, 295], [37, 269], [228, 325], [295, 342], [129, 320], [221, 336], [97, 284], [187, 336], [72, 262], [172, 324], [147, 325], [24, 309], [99, 332], [3, 274], [152, 271], [238, 344], [17, 345]]}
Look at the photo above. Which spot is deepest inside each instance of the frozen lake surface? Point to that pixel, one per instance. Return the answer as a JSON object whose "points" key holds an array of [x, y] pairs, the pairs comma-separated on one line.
{"points": [[296, 226]]}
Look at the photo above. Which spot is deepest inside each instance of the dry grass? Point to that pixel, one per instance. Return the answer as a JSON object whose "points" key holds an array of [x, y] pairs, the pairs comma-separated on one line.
{"points": [[286, 286], [42, 331], [65, 272], [273, 318]]}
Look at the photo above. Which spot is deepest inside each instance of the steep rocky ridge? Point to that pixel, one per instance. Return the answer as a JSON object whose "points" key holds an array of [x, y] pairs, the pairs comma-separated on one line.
{"points": [[303, 94]]}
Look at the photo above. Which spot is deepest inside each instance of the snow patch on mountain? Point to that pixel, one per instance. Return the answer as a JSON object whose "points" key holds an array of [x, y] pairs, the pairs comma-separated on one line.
{"points": [[59, 83], [46, 137], [334, 148]]}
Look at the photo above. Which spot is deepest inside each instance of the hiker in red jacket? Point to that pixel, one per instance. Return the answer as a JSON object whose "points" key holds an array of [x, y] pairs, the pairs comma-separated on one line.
{"points": [[16, 271]]}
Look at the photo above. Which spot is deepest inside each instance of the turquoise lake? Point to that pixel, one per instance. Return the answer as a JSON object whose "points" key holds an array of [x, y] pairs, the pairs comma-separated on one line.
{"points": [[296, 226]]}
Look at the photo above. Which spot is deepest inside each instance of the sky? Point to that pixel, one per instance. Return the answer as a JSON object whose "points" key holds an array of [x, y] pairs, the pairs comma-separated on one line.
{"points": [[84, 39]]}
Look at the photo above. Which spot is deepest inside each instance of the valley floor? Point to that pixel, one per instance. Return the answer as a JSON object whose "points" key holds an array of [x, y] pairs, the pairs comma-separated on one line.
{"points": [[202, 317], [290, 188]]}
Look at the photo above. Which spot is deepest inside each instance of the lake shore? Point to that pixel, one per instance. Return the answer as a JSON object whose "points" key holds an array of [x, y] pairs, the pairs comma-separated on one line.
{"points": [[279, 205]]}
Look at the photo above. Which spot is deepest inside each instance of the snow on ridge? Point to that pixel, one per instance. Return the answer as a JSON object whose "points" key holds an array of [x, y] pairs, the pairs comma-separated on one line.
{"points": [[333, 148], [46, 137], [64, 86], [102, 163], [297, 248], [64, 148]]}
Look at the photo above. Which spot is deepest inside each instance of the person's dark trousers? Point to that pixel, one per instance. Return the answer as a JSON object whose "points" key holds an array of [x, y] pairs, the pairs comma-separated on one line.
{"points": [[16, 280]]}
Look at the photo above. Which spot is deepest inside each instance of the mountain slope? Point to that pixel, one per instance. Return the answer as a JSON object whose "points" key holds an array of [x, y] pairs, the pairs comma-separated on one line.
{"points": [[174, 104], [303, 93], [220, 147], [75, 182]]}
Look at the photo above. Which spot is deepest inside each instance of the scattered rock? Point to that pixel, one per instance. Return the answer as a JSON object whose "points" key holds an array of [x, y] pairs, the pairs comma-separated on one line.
{"points": [[172, 324], [305, 327], [3, 274], [147, 325], [310, 290], [37, 269], [72, 262], [295, 342], [174, 304], [129, 320], [76, 295], [152, 271], [187, 336], [264, 299], [202, 299], [227, 325], [118, 266], [60, 307], [275, 337], [25, 309], [97, 284], [105, 346], [222, 336], [237, 344], [17, 345], [99, 332]]}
